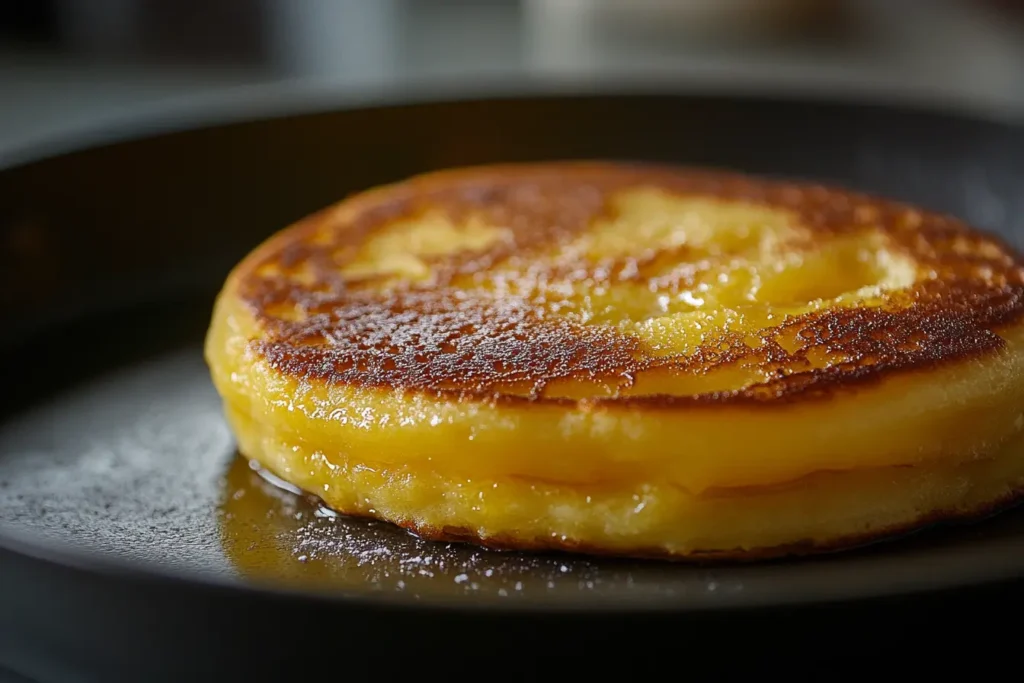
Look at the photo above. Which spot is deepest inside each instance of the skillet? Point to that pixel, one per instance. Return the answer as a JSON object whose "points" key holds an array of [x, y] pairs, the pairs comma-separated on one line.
{"points": [[136, 545]]}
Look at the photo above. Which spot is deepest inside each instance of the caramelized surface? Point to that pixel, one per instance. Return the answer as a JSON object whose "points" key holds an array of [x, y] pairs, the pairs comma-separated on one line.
{"points": [[623, 283]]}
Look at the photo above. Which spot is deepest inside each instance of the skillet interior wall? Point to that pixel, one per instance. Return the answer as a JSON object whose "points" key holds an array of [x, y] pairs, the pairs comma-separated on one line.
{"points": [[139, 218]]}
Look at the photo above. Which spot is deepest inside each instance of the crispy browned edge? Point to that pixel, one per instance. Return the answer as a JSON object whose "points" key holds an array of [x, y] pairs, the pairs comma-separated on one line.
{"points": [[947, 319], [807, 548]]}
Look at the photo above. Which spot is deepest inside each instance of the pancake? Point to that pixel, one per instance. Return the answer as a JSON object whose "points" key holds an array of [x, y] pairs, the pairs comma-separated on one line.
{"points": [[630, 360]]}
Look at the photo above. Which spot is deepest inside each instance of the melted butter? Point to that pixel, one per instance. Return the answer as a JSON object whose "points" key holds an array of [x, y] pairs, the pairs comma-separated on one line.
{"points": [[655, 221], [405, 247], [272, 535]]}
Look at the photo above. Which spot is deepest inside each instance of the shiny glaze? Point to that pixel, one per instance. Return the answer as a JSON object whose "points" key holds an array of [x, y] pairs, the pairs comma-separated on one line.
{"points": [[440, 335]]}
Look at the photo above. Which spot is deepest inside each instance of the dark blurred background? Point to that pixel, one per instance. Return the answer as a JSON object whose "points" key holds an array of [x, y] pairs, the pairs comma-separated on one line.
{"points": [[65, 63]]}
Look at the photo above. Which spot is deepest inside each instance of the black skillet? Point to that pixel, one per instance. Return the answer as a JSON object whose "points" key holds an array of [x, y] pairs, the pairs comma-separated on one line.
{"points": [[135, 546]]}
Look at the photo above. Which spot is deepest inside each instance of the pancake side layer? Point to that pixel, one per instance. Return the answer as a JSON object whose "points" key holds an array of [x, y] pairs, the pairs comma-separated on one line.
{"points": [[820, 512]]}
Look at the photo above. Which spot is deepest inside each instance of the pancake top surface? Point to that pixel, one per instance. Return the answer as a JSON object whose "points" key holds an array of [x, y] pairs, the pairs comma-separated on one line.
{"points": [[622, 283]]}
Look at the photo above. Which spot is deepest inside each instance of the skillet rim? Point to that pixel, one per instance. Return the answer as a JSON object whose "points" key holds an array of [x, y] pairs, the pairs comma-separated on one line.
{"points": [[265, 103], [305, 97]]}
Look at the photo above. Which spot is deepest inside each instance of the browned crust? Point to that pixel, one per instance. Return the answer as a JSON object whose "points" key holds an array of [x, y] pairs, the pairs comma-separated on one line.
{"points": [[430, 341], [807, 548]]}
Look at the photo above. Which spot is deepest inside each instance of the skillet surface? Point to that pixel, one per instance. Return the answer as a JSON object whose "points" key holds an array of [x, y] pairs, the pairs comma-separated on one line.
{"points": [[125, 512]]}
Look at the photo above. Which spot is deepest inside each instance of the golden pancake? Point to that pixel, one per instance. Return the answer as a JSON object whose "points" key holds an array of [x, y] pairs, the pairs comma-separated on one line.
{"points": [[630, 360]]}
